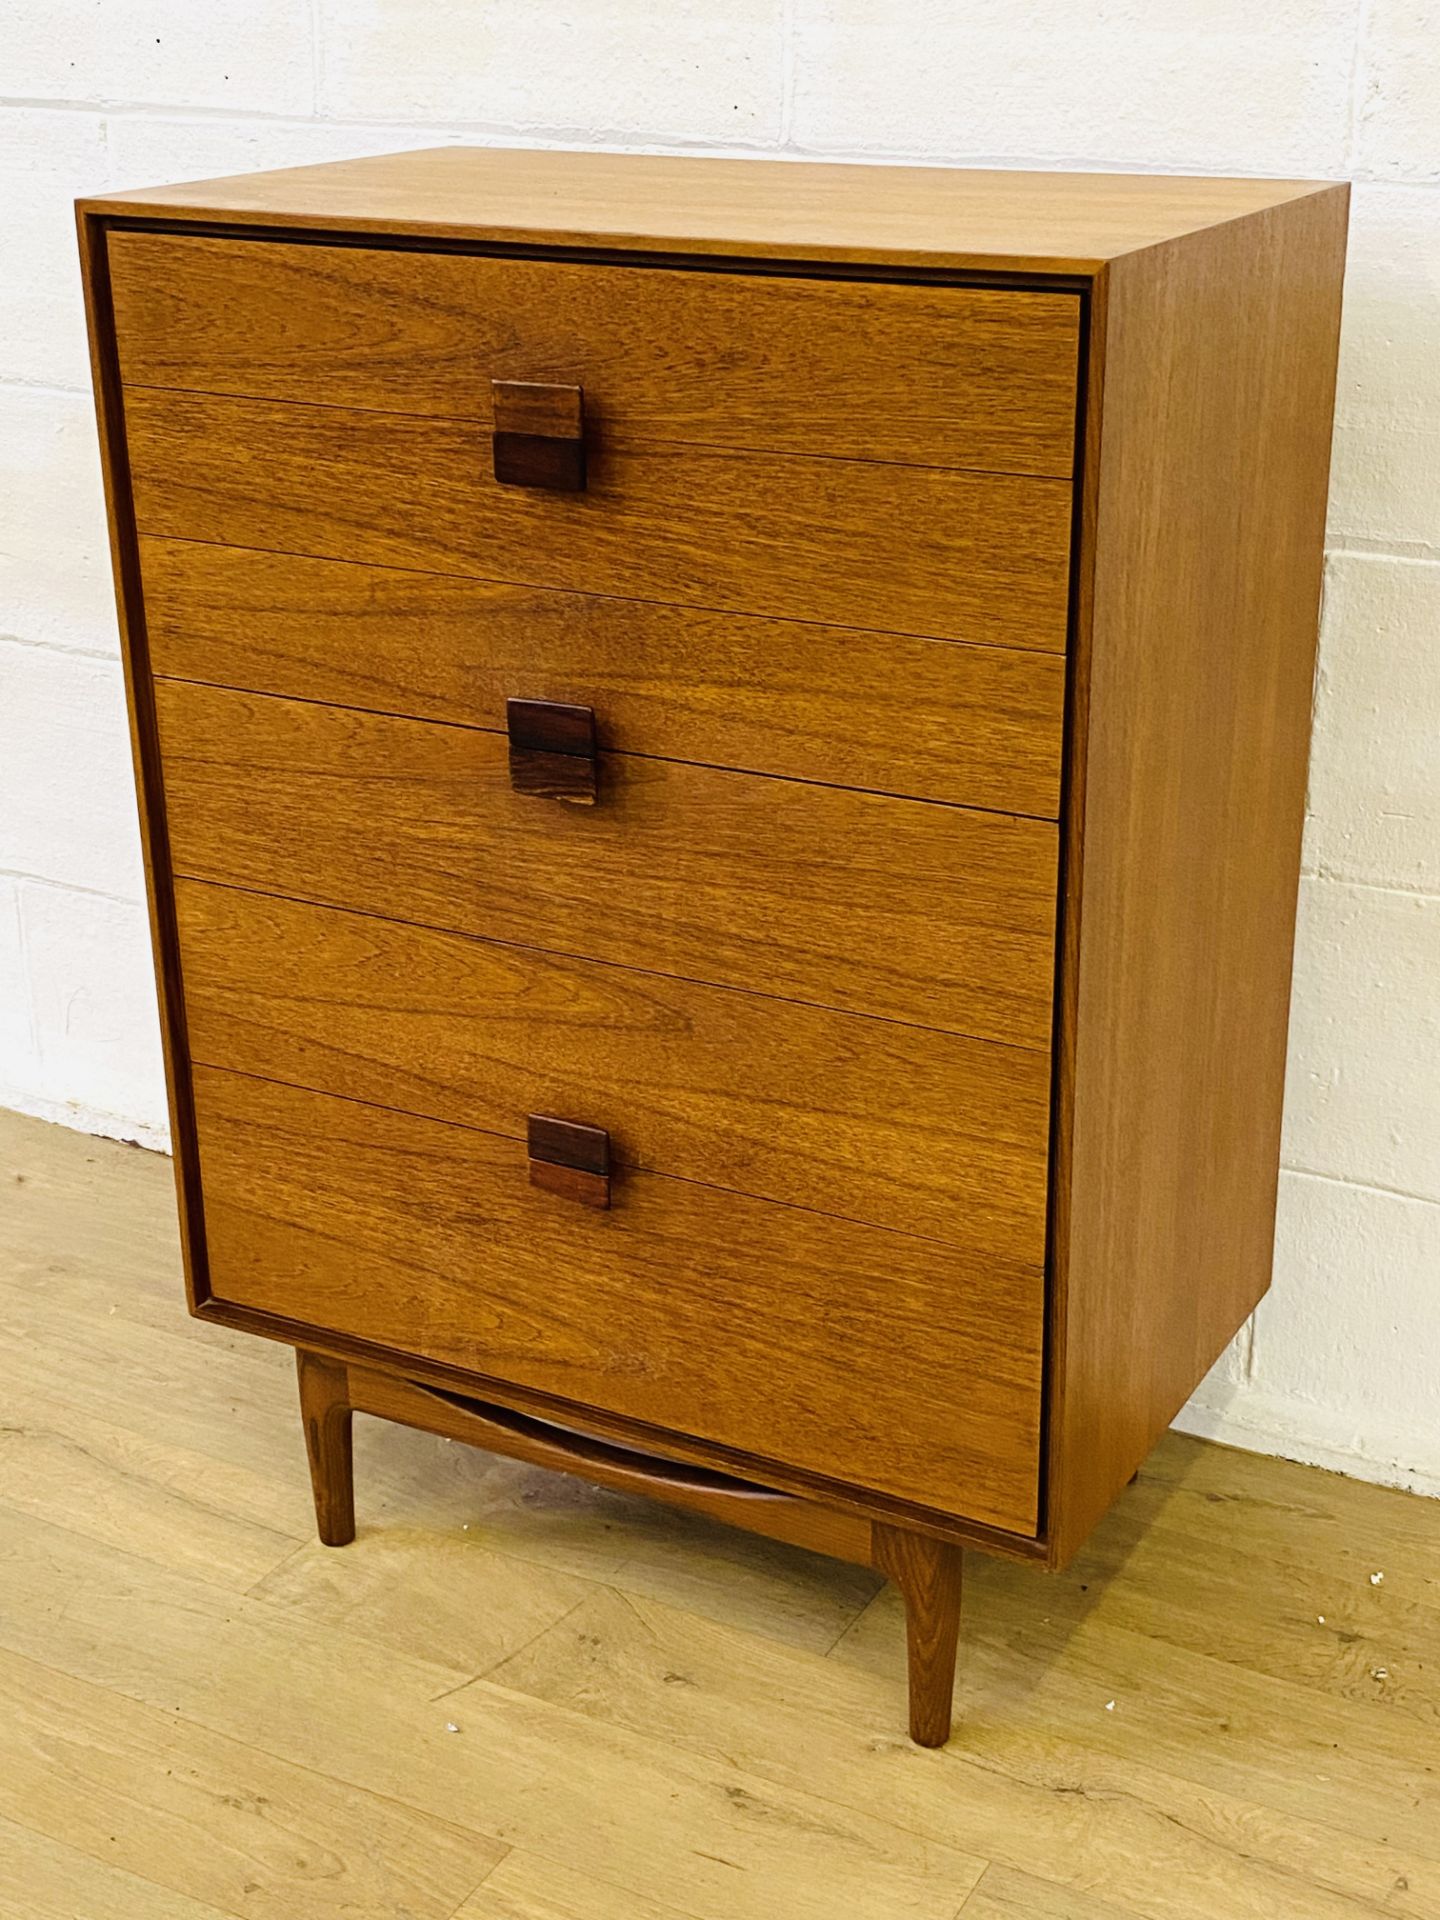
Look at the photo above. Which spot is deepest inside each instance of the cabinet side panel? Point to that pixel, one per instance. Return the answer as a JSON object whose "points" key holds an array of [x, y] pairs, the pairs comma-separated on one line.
{"points": [[1199, 649], [139, 695]]}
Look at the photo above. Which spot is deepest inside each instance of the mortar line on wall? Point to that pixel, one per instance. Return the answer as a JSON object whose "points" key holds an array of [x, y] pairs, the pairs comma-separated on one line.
{"points": [[788, 31], [1415, 553], [1247, 1352], [62, 647], [19, 875], [501, 134], [17, 382], [1331, 878], [1359, 80], [23, 952], [317, 59], [153, 109], [1361, 1186], [589, 139], [20, 383]]}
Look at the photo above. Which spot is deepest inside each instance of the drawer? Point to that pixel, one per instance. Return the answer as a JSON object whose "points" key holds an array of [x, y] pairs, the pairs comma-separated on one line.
{"points": [[879, 1359], [978, 726], [902, 1127], [913, 911], [932, 375], [926, 550]]}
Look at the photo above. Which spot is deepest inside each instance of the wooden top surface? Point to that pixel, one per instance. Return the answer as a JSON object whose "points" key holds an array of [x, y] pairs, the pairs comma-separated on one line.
{"points": [[933, 216]]}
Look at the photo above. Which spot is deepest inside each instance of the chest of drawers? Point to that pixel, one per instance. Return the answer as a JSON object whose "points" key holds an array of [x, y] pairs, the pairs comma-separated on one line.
{"points": [[722, 750]]}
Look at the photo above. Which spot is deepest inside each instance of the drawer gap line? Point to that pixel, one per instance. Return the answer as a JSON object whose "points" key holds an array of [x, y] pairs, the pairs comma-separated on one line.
{"points": [[586, 593], [618, 966], [947, 270], [721, 447], [848, 1495], [625, 599], [1035, 1266], [616, 753]]}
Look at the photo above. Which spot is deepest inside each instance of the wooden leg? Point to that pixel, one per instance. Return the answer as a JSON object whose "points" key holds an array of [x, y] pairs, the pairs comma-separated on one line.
{"points": [[927, 1572], [325, 1412]]}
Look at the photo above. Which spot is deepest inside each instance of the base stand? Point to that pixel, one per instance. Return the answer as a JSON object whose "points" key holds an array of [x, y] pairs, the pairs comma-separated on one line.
{"points": [[925, 1569]]}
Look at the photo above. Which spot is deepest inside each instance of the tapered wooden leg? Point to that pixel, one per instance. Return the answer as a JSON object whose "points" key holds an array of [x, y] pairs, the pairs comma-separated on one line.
{"points": [[325, 1412], [927, 1572]]}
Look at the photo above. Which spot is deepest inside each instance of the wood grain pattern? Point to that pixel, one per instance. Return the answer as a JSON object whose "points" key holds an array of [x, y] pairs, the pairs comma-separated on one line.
{"points": [[547, 1778], [140, 716], [1212, 310], [987, 377], [325, 1416], [910, 1368], [1189, 1828], [1006, 1895], [929, 1575], [933, 915], [978, 726], [919, 1131], [122, 1809], [886, 216], [529, 1887], [958, 556], [735, 1503], [1209, 466]]}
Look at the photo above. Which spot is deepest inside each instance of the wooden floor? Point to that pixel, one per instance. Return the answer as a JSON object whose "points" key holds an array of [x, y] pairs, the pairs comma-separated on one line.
{"points": [[518, 1699]]}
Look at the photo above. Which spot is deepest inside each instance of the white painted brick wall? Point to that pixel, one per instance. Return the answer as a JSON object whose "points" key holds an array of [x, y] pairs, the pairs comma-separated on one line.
{"points": [[67, 769], [1342, 1360], [1228, 86], [1364, 1075], [54, 551], [1374, 798], [241, 56], [614, 69], [46, 161], [1386, 488], [97, 1032]]}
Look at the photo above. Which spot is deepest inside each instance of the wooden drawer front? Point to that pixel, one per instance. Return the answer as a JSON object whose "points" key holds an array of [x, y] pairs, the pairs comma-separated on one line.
{"points": [[924, 1132], [875, 1358], [937, 376], [978, 726], [959, 556], [923, 913]]}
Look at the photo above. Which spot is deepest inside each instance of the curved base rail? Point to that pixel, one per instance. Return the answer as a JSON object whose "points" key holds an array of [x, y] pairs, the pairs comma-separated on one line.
{"points": [[926, 1570]]}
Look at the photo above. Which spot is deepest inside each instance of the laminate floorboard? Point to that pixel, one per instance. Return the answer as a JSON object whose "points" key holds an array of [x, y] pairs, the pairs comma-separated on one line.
{"points": [[1215, 1715]]}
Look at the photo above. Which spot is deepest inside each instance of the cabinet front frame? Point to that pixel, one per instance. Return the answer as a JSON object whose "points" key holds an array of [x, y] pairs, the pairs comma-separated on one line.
{"points": [[94, 229]]}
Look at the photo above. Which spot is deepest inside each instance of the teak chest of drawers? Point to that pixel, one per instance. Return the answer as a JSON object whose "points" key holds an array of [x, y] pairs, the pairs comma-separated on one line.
{"points": [[722, 750]]}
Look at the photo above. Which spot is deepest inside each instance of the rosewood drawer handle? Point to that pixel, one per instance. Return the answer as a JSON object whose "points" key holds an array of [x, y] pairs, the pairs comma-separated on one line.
{"points": [[552, 750], [569, 1159], [539, 437]]}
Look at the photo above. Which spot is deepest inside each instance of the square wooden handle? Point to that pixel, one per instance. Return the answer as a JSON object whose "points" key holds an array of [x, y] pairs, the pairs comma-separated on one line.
{"points": [[539, 437], [552, 750], [569, 1159]]}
